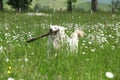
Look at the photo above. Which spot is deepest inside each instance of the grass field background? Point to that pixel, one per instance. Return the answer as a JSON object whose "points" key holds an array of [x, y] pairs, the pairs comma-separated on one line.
{"points": [[99, 50]]}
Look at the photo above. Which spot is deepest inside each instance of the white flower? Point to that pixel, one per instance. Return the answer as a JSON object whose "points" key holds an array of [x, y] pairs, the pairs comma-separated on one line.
{"points": [[32, 53], [113, 47], [86, 46], [1, 49], [56, 55], [6, 26], [87, 59], [26, 59], [14, 37], [93, 50], [84, 41], [29, 34], [21, 79], [90, 42], [101, 46], [110, 35], [83, 44], [83, 52], [7, 60], [17, 27], [109, 74], [10, 78], [7, 34]]}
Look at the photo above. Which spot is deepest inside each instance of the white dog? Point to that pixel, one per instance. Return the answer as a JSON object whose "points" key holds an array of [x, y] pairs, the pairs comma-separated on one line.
{"points": [[58, 39]]}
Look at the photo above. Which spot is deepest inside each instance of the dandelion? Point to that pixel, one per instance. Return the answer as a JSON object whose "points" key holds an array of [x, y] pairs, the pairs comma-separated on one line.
{"points": [[109, 74], [9, 70], [9, 67]]}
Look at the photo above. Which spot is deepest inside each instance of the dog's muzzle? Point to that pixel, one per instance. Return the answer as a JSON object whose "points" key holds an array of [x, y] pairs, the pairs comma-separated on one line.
{"points": [[53, 32]]}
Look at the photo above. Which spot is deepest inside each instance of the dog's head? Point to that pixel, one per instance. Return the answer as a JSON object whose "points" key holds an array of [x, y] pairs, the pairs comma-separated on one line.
{"points": [[54, 29]]}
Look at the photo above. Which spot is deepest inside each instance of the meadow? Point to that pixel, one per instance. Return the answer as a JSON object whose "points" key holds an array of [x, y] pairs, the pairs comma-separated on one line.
{"points": [[99, 50]]}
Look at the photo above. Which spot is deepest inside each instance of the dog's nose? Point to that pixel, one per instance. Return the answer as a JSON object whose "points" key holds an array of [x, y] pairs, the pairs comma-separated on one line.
{"points": [[50, 30]]}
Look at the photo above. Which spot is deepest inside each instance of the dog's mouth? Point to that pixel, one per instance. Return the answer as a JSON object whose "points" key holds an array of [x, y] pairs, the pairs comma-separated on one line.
{"points": [[51, 32]]}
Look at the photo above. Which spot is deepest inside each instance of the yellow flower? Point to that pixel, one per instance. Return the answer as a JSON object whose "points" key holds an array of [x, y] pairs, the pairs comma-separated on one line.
{"points": [[9, 67], [8, 71]]}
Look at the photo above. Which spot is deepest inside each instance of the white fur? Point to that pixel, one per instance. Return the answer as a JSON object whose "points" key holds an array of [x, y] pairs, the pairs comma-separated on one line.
{"points": [[74, 40], [60, 38]]}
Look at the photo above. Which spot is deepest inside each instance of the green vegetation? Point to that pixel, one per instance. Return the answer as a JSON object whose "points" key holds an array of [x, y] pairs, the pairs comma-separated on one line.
{"points": [[98, 50], [19, 4], [58, 4]]}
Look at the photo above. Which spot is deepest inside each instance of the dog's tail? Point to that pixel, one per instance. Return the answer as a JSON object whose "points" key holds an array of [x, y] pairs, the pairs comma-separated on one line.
{"points": [[80, 33]]}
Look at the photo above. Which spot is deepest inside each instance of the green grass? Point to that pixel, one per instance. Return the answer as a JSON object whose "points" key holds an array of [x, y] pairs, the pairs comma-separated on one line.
{"points": [[30, 61]]}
